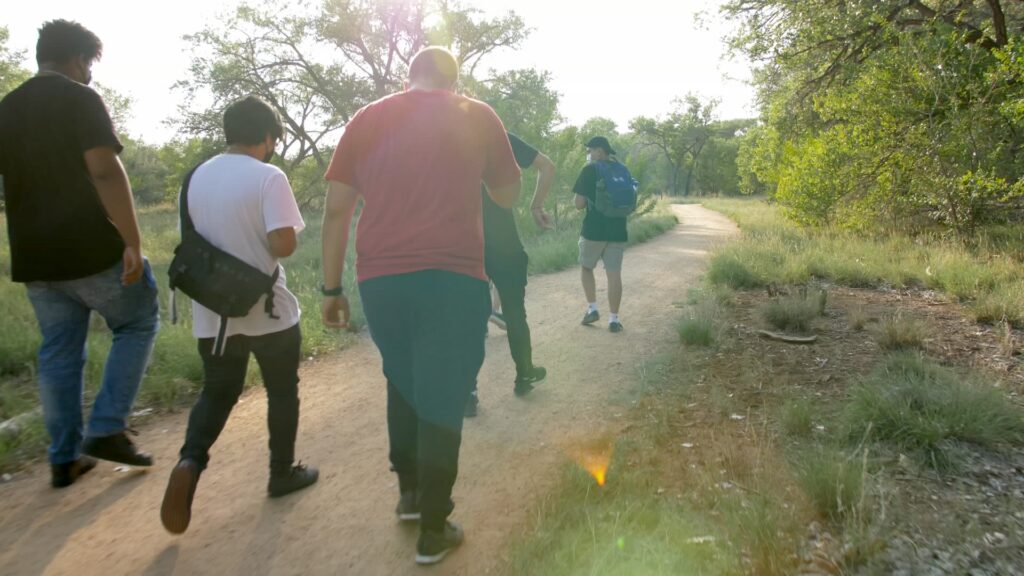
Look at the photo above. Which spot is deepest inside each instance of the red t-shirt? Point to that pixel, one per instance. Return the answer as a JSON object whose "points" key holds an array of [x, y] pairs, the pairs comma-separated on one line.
{"points": [[417, 158]]}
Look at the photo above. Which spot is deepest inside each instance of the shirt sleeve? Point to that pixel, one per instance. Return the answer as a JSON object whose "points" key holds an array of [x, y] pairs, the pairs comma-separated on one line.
{"points": [[501, 169], [524, 153], [94, 127], [586, 182], [344, 161], [279, 207]]}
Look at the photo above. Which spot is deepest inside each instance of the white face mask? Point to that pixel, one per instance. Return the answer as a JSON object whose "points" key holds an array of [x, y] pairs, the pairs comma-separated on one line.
{"points": [[590, 159]]}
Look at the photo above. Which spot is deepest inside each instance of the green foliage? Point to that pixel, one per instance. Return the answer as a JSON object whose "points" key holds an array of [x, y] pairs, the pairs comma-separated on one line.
{"points": [[12, 69], [797, 417], [886, 114], [915, 405]]}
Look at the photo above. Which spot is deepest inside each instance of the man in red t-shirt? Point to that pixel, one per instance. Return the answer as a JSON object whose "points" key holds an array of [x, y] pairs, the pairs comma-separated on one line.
{"points": [[417, 159]]}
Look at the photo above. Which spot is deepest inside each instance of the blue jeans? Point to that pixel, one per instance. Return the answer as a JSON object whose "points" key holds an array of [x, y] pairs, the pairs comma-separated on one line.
{"points": [[62, 310]]}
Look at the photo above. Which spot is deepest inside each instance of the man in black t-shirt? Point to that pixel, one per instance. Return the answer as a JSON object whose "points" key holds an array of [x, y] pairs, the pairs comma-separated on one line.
{"points": [[505, 261], [75, 243], [602, 237]]}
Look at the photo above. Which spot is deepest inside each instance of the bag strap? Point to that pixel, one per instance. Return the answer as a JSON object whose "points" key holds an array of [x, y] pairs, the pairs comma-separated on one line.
{"points": [[268, 304], [183, 215]]}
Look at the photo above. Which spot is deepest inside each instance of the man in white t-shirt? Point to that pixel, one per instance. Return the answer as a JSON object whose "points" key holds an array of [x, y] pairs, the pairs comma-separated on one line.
{"points": [[245, 207]]}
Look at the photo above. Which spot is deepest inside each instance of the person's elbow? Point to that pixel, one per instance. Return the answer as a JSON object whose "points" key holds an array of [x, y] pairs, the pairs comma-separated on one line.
{"points": [[283, 242], [103, 164], [506, 196], [544, 165], [581, 202]]}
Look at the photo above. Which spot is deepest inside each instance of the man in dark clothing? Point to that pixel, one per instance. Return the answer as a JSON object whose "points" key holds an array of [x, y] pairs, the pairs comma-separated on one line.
{"points": [[417, 159], [602, 237], [75, 243], [505, 262]]}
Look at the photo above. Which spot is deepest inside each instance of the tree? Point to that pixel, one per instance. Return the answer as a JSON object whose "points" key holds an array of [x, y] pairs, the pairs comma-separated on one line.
{"points": [[318, 65], [12, 69], [891, 111], [680, 136]]}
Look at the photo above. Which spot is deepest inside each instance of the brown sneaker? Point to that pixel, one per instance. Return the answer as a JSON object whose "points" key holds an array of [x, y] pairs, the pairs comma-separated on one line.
{"points": [[176, 511]]}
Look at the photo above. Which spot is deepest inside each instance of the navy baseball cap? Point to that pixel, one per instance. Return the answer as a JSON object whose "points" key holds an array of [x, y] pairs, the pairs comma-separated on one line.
{"points": [[600, 142]]}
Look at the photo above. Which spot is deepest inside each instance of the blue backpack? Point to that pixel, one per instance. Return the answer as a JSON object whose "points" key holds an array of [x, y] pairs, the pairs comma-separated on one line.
{"points": [[616, 189]]}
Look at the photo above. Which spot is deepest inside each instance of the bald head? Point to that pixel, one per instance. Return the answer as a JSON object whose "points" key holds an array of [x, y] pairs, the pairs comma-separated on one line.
{"points": [[434, 68]]}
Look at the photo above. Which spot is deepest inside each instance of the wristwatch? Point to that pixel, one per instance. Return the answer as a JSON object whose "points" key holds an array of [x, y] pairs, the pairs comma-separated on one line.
{"points": [[332, 292]]}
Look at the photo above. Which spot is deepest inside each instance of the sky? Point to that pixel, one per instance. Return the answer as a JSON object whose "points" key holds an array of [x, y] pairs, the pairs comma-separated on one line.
{"points": [[618, 60]]}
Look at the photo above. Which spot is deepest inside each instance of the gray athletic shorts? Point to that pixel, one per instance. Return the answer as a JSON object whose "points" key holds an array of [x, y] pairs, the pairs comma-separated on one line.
{"points": [[609, 252]]}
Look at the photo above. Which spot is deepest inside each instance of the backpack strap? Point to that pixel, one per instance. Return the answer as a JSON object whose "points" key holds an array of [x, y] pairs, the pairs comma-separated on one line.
{"points": [[185, 223], [268, 304]]}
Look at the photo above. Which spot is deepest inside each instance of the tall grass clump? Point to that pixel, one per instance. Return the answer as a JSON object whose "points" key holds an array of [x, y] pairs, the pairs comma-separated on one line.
{"points": [[898, 332], [795, 312], [912, 404], [833, 482]]}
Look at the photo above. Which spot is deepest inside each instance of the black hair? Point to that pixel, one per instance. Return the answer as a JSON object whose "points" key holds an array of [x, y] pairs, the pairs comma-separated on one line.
{"points": [[249, 121], [60, 41]]}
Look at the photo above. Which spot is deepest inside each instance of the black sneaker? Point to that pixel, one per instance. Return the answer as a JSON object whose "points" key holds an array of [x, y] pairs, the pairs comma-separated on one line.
{"points": [[591, 317], [408, 509], [526, 384], [472, 405], [296, 478], [498, 319], [176, 510], [64, 475], [434, 546], [116, 448], [615, 326]]}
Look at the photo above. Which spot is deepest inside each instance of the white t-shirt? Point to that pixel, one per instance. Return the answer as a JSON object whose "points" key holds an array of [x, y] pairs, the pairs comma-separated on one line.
{"points": [[234, 201]]}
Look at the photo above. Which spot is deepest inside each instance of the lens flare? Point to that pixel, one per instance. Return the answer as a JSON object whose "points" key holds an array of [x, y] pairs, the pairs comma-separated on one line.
{"points": [[595, 458]]}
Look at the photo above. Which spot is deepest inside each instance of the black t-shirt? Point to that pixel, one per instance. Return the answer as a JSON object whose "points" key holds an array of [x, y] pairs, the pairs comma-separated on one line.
{"points": [[57, 226], [501, 238], [597, 226]]}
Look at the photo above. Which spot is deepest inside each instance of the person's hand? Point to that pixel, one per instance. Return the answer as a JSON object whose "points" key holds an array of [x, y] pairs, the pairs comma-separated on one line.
{"points": [[335, 312], [542, 218], [132, 266]]}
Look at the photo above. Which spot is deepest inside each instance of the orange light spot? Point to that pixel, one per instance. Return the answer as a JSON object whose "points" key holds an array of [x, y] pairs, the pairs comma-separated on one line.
{"points": [[595, 458]]}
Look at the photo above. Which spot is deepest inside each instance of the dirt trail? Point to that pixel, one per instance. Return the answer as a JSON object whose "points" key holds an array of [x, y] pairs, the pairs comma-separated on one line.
{"points": [[109, 522]]}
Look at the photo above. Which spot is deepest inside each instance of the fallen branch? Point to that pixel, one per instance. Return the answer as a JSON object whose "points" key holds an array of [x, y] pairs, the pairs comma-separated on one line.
{"points": [[787, 339]]}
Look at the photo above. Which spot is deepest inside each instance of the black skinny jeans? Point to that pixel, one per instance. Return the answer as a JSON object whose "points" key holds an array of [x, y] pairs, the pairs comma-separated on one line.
{"points": [[278, 356]]}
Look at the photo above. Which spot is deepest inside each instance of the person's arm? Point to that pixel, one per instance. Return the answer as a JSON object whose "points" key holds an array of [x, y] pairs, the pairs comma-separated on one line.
{"points": [[338, 211], [545, 178], [283, 242], [585, 186], [115, 193], [581, 202]]}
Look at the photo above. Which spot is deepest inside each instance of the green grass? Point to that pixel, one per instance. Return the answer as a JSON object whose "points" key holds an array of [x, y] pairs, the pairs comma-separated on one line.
{"points": [[914, 405], [897, 332], [988, 276], [797, 417], [833, 482], [795, 312]]}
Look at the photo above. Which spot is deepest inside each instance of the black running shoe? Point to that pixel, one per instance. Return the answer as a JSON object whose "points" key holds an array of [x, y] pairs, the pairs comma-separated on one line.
{"points": [[116, 448], [434, 546], [472, 406], [591, 317], [526, 384], [176, 510], [64, 475], [296, 478], [408, 509], [615, 326]]}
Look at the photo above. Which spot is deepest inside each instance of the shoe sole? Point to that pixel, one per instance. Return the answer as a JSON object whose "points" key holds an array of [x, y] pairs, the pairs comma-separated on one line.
{"points": [[176, 510], [424, 560], [75, 474], [500, 324], [280, 493], [590, 322], [409, 517], [137, 463]]}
